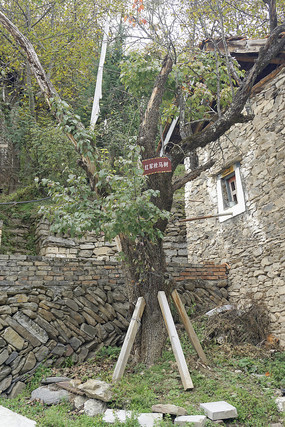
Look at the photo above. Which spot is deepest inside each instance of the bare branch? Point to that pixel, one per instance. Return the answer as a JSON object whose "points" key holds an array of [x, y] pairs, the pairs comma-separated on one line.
{"points": [[148, 127], [45, 85], [36, 67], [192, 175]]}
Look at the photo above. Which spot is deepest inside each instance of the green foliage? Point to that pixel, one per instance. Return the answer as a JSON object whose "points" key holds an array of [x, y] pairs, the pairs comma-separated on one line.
{"points": [[71, 124], [42, 148], [123, 207], [40, 373], [12, 214], [48, 154], [138, 73], [111, 353], [273, 370], [194, 75]]}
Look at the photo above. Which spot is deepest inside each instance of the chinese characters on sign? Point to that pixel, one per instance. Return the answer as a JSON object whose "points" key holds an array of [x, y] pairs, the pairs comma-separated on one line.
{"points": [[156, 165]]}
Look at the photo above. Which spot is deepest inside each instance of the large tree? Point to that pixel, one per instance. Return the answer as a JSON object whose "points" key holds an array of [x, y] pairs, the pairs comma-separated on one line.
{"points": [[143, 219]]}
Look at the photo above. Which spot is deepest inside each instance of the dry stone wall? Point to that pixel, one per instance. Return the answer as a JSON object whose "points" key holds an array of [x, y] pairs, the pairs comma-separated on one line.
{"points": [[53, 308], [92, 246], [252, 243]]}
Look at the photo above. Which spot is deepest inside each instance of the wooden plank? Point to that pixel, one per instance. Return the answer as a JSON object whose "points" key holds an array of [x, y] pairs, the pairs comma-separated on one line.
{"points": [[129, 340], [259, 86], [205, 217], [188, 326], [175, 343]]}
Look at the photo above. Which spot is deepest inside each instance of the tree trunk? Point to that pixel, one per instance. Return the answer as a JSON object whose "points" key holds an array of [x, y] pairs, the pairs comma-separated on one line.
{"points": [[145, 269]]}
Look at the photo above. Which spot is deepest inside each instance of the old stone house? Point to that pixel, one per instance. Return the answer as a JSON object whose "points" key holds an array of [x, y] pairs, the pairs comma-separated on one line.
{"points": [[246, 186]]}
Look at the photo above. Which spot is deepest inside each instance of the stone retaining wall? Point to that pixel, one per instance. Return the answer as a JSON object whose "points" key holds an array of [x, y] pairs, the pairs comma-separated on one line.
{"points": [[52, 309], [92, 246]]}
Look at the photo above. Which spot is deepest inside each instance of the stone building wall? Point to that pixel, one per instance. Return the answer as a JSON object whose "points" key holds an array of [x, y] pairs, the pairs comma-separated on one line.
{"points": [[53, 308], [251, 242]]}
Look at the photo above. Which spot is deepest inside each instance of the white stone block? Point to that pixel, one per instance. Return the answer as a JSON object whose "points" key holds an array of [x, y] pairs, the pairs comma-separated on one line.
{"points": [[219, 410], [280, 402], [112, 416], [145, 419], [11, 419], [149, 419], [196, 420]]}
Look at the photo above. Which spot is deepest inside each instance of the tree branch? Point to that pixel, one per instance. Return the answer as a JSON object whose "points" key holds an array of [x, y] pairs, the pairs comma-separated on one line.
{"points": [[274, 44], [37, 69], [191, 175], [148, 127], [45, 85]]}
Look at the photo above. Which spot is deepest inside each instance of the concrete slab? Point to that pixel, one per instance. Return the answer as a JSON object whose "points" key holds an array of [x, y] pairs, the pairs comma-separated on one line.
{"points": [[144, 419], [219, 410], [149, 419], [196, 420], [121, 415], [9, 418]]}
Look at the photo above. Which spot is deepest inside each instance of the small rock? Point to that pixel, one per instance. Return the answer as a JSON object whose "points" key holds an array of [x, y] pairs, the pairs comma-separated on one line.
{"points": [[93, 407], [74, 383], [49, 397], [4, 355], [42, 353], [59, 349], [79, 401], [17, 389], [75, 343], [169, 409], [4, 384], [53, 380], [30, 362], [97, 389], [13, 338], [12, 357]]}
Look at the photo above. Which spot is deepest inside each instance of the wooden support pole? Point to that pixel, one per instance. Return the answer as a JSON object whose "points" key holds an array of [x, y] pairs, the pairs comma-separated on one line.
{"points": [[176, 346], [188, 326], [129, 340]]}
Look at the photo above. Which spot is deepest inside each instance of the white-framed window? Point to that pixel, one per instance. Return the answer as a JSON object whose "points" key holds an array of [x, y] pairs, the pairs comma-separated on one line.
{"points": [[230, 193]]}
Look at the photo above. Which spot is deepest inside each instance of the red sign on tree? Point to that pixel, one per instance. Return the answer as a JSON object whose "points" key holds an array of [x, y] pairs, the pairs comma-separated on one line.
{"points": [[156, 165]]}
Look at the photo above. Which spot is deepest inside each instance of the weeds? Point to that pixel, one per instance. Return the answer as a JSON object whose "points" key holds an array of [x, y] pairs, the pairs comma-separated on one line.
{"points": [[236, 374]]}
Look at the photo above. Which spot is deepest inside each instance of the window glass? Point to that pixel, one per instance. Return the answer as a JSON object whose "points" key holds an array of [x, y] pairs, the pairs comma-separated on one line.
{"points": [[230, 192]]}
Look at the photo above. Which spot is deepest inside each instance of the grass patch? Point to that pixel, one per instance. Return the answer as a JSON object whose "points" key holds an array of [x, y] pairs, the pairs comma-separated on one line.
{"points": [[247, 377]]}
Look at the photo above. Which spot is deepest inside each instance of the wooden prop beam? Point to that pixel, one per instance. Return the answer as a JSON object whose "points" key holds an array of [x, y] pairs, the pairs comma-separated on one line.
{"points": [[188, 326], [205, 217], [129, 340], [176, 346]]}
